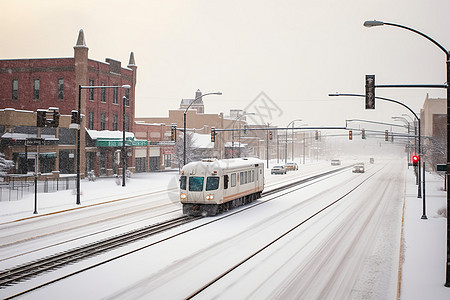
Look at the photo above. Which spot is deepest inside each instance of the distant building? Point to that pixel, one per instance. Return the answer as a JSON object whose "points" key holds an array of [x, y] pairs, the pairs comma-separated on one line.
{"points": [[433, 118], [197, 105]]}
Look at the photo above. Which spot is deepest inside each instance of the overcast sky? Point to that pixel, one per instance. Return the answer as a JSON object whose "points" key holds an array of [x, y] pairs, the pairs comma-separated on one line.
{"points": [[278, 58]]}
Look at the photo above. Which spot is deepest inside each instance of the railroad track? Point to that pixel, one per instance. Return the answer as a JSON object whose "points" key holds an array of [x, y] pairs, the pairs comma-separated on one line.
{"points": [[25, 271], [34, 268]]}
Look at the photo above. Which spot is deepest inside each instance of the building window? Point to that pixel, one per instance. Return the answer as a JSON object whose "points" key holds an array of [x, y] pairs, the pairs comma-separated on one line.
{"points": [[15, 89], [103, 93], [115, 94], [91, 120], [36, 87], [91, 91], [60, 88], [115, 119], [102, 121]]}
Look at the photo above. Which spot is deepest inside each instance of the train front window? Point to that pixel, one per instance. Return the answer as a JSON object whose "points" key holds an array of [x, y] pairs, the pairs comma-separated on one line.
{"points": [[212, 183], [196, 184], [183, 182]]}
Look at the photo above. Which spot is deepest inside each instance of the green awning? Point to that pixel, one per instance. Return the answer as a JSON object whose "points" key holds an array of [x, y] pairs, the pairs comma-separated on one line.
{"points": [[115, 142]]}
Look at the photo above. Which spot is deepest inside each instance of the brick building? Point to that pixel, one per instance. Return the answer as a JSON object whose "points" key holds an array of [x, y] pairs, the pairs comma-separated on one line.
{"points": [[27, 85]]}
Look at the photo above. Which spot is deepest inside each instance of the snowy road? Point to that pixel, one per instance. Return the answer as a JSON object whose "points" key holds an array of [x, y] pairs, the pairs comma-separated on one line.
{"points": [[350, 250]]}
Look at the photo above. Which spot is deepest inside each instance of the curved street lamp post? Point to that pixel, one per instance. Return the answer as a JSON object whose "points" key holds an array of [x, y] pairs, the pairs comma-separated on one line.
{"points": [[184, 121]]}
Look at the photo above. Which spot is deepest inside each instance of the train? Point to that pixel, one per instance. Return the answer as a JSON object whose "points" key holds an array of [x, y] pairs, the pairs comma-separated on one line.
{"points": [[212, 186]]}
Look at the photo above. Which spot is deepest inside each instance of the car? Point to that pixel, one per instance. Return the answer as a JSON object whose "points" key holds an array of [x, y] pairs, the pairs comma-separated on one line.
{"points": [[372, 160], [358, 168], [291, 166], [335, 162], [278, 170]]}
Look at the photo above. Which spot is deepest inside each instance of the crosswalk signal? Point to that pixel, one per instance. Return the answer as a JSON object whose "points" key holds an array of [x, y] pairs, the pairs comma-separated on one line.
{"points": [[270, 135], [386, 135], [370, 91], [173, 133], [350, 135], [213, 134], [41, 118], [415, 160]]}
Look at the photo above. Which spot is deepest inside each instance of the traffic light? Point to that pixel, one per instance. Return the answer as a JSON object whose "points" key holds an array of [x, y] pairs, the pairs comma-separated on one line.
{"points": [[270, 135], [213, 134], [415, 160], [245, 129], [74, 119], [173, 133], [40, 119], [56, 115], [386, 135], [363, 134], [370, 91], [350, 135], [316, 137]]}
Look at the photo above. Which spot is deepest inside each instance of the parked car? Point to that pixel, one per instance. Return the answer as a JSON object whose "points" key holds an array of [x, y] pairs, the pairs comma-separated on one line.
{"points": [[335, 162], [278, 170], [291, 166], [358, 168]]}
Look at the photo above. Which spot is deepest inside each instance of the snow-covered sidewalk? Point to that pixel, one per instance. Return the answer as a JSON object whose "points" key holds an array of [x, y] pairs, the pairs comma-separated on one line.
{"points": [[424, 241]]}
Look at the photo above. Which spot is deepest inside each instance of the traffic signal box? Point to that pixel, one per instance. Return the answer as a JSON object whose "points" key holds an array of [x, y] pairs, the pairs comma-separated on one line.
{"points": [[213, 134], [415, 160], [173, 133], [43, 121], [370, 91], [350, 135]]}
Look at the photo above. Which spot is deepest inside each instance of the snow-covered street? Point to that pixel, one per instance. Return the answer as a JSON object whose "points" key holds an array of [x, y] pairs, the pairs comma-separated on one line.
{"points": [[351, 250]]}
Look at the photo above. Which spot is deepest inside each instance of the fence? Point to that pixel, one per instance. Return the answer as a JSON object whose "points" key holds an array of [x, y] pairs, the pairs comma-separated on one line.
{"points": [[15, 186]]}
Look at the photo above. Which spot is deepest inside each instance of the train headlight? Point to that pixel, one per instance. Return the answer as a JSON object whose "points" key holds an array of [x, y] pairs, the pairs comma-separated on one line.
{"points": [[182, 196], [209, 197]]}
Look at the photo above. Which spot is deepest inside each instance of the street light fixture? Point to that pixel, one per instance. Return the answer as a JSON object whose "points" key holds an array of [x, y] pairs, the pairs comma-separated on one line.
{"points": [[285, 154], [447, 172], [80, 87], [184, 121]]}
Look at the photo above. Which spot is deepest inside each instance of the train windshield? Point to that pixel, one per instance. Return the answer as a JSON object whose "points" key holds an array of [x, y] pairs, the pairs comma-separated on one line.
{"points": [[183, 182], [212, 183], [196, 184]]}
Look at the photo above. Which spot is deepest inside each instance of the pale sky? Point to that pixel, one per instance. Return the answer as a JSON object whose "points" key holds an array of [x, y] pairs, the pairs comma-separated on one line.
{"points": [[295, 52]]}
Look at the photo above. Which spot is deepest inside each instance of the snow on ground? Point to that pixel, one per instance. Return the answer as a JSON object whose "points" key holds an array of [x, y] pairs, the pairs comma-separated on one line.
{"points": [[424, 241]]}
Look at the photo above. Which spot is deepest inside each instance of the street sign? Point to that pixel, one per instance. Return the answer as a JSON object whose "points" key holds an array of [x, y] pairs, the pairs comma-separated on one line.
{"points": [[34, 141], [441, 167]]}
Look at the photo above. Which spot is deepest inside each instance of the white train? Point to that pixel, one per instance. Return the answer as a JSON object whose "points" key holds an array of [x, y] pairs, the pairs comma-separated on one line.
{"points": [[212, 186]]}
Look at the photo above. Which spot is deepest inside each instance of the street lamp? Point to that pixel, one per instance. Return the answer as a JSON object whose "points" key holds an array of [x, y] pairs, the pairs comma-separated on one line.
{"points": [[80, 87], [285, 156], [184, 121], [447, 172]]}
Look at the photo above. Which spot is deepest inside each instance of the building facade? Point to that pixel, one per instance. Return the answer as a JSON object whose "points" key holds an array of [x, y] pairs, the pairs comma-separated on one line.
{"points": [[28, 85]]}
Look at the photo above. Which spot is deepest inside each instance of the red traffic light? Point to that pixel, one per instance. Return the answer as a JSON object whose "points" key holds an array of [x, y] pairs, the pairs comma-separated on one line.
{"points": [[415, 160]]}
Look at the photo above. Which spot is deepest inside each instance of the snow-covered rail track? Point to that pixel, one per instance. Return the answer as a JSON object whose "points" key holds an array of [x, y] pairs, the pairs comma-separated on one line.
{"points": [[19, 273]]}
